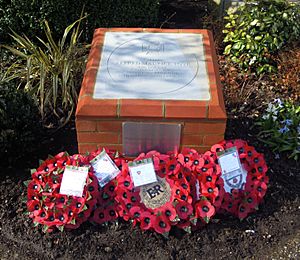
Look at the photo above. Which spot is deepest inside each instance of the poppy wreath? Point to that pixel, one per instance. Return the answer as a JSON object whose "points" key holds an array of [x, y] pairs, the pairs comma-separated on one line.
{"points": [[51, 209], [106, 208], [160, 205], [241, 202], [204, 177]]}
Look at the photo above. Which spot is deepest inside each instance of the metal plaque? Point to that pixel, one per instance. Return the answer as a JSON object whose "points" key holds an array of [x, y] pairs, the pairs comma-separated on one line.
{"points": [[143, 137]]}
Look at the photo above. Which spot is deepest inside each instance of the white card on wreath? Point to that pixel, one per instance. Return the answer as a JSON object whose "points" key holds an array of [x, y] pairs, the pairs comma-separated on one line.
{"points": [[142, 172], [230, 161], [73, 181], [104, 167]]}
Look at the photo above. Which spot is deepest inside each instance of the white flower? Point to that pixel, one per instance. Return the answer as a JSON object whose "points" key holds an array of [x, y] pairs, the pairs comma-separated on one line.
{"points": [[279, 102], [265, 116], [271, 109]]}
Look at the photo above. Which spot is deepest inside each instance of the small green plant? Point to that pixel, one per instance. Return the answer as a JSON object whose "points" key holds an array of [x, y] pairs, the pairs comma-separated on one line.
{"points": [[280, 127], [257, 29], [51, 72], [19, 123]]}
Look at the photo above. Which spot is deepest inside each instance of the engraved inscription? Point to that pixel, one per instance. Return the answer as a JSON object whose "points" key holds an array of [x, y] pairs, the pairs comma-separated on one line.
{"points": [[152, 66]]}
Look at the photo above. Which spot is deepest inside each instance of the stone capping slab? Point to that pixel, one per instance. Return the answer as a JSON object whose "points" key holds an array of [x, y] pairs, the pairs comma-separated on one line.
{"points": [[142, 108]]}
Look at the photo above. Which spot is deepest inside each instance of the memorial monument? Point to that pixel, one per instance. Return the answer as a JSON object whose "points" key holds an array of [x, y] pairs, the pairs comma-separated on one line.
{"points": [[147, 89]]}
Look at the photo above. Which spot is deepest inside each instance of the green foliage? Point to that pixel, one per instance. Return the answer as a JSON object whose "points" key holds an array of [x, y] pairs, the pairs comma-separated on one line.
{"points": [[280, 127], [257, 29], [51, 72], [28, 15], [19, 122]]}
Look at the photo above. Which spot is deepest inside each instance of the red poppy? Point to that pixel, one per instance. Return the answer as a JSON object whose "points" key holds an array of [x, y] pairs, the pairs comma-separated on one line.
{"points": [[34, 206], [161, 224], [60, 200], [112, 213], [217, 148], [198, 162], [184, 210], [209, 190], [185, 159], [62, 216], [205, 209], [261, 168], [100, 216], [172, 167], [243, 210], [169, 211], [260, 189], [34, 186], [251, 200], [146, 220]]}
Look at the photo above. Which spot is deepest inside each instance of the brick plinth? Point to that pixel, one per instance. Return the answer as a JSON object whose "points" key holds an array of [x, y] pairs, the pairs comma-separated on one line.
{"points": [[99, 121]]}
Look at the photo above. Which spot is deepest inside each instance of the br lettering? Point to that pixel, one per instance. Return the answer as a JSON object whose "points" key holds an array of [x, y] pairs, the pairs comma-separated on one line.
{"points": [[154, 191]]}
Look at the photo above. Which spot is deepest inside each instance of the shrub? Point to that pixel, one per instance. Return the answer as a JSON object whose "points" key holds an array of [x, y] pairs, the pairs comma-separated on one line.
{"points": [[280, 127], [28, 16], [19, 122], [257, 29], [52, 71]]}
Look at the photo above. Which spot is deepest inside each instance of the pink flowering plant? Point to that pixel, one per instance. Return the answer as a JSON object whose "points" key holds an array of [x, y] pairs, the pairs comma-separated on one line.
{"points": [[280, 127]]}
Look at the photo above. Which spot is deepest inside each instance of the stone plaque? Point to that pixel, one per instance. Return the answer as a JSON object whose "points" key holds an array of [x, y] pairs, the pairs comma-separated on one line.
{"points": [[168, 66], [156, 194], [143, 137]]}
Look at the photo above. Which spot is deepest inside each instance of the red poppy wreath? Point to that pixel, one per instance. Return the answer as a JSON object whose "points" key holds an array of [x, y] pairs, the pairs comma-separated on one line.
{"points": [[106, 204], [160, 205], [243, 194], [46, 206], [206, 184]]}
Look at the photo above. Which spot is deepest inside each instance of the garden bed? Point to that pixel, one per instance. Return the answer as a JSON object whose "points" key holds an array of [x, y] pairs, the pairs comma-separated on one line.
{"points": [[271, 232]]}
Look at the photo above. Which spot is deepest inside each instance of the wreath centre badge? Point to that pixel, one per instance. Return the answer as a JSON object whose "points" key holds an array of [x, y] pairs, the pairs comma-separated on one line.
{"points": [[156, 194]]}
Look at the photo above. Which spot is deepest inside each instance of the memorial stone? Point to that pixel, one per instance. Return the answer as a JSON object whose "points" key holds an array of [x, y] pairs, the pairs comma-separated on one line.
{"points": [[165, 81]]}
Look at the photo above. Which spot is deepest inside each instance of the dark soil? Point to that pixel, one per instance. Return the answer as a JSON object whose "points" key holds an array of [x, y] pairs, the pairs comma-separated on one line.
{"points": [[273, 232]]}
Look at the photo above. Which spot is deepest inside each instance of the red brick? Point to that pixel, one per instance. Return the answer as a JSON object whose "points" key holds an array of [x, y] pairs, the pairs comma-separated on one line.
{"points": [[83, 148], [85, 125], [96, 137], [185, 109], [141, 108], [109, 126], [205, 127], [198, 148], [192, 139], [117, 147], [212, 139], [216, 109], [87, 106]]}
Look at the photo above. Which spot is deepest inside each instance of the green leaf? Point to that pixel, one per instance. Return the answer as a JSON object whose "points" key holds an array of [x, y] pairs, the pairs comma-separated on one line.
{"points": [[166, 235], [194, 221], [45, 228], [206, 219], [60, 228], [41, 162], [84, 208], [26, 183], [227, 49], [203, 198], [32, 171], [35, 224], [73, 221], [188, 229]]}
